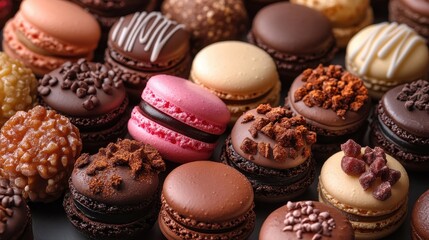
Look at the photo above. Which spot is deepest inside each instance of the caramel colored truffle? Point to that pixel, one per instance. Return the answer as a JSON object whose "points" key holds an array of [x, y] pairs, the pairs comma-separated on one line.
{"points": [[38, 150], [17, 87]]}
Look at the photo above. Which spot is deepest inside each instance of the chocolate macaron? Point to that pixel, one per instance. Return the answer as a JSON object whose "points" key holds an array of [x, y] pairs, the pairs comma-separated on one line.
{"points": [[114, 194], [273, 150], [419, 218], [206, 200], [401, 127], [335, 105], [92, 96], [307, 220], [145, 44], [304, 39]]}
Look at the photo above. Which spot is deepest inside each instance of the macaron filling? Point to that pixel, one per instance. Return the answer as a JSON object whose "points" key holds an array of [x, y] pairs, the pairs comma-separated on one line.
{"points": [[169, 122]]}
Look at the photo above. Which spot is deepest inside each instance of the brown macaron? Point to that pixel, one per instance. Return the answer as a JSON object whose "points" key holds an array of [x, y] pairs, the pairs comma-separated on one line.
{"points": [[206, 200], [419, 218]]}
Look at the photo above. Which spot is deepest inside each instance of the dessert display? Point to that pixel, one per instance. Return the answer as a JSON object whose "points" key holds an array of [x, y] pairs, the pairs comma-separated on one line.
{"points": [[308, 220], [335, 105], [400, 125], [182, 120], [347, 17], [15, 222], [38, 150], [240, 74], [46, 34], [414, 13], [114, 194], [368, 186], [273, 150], [92, 96], [419, 216], [304, 39], [144, 44], [206, 200], [18, 87], [385, 55], [208, 21]]}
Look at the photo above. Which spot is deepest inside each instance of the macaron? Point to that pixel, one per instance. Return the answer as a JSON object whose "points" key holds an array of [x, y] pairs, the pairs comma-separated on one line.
{"points": [[368, 186], [273, 150], [179, 118], [114, 194], [308, 220], [385, 55], [400, 124], [144, 44], [46, 34], [304, 39], [206, 200], [15, 222], [347, 17], [334, 103], [18, 87], [240, 74], [208, 21], [419, 215], [92, 96], [414, 13]]}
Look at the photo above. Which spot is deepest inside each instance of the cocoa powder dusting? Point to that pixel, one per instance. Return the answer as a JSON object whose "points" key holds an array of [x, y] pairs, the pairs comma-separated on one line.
{"points": [[332, 88]]}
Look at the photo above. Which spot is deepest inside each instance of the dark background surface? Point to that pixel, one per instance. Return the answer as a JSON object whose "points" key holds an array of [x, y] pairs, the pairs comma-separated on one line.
{"points": [[50, 221]]}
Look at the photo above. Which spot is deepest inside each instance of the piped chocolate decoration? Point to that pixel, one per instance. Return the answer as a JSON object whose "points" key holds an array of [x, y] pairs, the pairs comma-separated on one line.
{"points": [[85, 79], [9, 198], [138, 157], [304, 217], [289, 132], [415, 95], [369, 166], [332, 88]]}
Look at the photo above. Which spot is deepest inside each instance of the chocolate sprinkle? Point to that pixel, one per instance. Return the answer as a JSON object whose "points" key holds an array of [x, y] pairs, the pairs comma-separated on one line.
{"points": [[415, 95]]}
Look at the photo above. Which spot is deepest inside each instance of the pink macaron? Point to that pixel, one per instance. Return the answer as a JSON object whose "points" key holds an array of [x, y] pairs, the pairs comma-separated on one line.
{"points": [[179, 118]]}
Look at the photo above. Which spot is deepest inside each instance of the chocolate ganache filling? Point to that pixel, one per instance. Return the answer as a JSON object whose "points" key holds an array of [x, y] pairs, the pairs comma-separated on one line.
{"points": [[169, 122]]}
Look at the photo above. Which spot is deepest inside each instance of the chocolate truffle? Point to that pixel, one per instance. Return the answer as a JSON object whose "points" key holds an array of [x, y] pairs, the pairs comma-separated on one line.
{"points": [[92, 96], [39, 148], [208, 21], [144, 44], [206, 200], [419, 218], [297, 37], [307, 220], [400, 124], [273, 150], [114, 194], [335, 105]]}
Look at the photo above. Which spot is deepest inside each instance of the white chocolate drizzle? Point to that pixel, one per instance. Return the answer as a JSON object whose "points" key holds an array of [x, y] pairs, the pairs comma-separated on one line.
{"points": [[156, 35], [383, 40]]}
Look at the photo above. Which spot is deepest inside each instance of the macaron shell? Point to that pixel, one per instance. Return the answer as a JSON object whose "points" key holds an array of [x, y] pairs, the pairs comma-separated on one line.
{"points": [[420, 217], [387, 55], [344, 34], [213, 186], [63, 20], [234, 70], [417, 6], [350, 192]]}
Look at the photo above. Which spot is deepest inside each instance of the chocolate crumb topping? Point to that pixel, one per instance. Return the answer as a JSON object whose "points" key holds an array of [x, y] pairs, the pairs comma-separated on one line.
{"points": [[304, 217], [332, 87], [9, 198], [415, 95], [369, 166], [289, 133], [84, 79], [138, 157]]}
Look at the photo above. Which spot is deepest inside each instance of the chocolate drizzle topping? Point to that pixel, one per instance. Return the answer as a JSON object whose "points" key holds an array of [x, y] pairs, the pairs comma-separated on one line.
{"points": [[10, 198], [169, 122], [415, 95]]}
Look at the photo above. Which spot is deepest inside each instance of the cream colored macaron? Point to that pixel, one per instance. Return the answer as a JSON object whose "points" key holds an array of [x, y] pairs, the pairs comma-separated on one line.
{"points": [[385, 55], [371, 218], [241, 74]]}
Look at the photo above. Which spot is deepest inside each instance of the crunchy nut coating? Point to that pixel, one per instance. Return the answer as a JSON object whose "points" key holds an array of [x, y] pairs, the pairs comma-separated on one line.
{"points": [[38, 150]]}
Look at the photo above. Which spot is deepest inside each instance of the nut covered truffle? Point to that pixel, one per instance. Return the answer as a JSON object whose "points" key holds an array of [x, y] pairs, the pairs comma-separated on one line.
{"points": [[38, 150]]}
